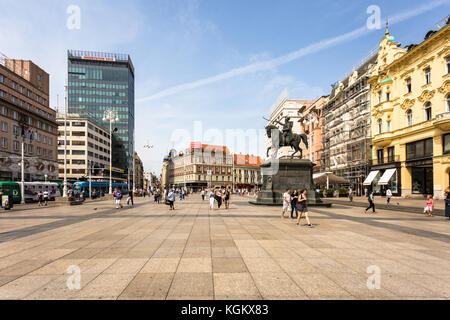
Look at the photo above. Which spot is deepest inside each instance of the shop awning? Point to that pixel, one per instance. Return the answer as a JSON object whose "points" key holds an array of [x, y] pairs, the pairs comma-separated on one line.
{"points": [[328, 178], [371, 177], [387, 176]]}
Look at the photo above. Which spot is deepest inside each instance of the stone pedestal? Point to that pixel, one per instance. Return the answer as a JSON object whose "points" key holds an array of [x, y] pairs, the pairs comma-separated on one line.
{"points": [[283, 174]]}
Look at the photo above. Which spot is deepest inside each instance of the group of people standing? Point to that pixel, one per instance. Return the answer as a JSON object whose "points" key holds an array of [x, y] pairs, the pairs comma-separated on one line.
{"points": [[118, 195], [43, 198], [219, 196], [296, 201]]}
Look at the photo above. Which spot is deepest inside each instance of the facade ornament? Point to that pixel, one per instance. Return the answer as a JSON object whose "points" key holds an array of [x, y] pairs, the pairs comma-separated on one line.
{"points": [[426, 95], [445, 88], [408, 104]]}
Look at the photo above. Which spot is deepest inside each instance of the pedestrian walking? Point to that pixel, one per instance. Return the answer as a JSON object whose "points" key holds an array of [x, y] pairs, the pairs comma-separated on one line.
{"points": [[430, 206], [388, 196], [118, 198], [227, 198], [203, 195], [286, 202], [350, 194], [447, 203], [171, 199], [40, 197], [371, 199], [303, 204], [294, 202], [45, 194], [212, 198], [130, 199], [218, 196]]}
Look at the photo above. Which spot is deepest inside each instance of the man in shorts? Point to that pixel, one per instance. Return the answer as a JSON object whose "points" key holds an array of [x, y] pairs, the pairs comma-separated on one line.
{"points": [[118, 197], [286, 202]]}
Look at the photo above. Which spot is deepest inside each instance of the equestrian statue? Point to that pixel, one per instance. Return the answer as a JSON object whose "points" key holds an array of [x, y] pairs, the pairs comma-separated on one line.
{"points": [[285, 138]]}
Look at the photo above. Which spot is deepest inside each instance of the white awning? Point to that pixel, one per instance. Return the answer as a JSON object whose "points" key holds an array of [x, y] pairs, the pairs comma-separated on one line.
{"points": [[387, 176], [371, 177]]}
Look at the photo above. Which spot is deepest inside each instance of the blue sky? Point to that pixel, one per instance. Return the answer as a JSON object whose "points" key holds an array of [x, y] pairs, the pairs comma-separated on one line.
{"points": [[176, 43]]}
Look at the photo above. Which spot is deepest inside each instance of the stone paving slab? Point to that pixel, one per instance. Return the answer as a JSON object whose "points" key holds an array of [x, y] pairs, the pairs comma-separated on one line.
{"points": [[245, 253]]}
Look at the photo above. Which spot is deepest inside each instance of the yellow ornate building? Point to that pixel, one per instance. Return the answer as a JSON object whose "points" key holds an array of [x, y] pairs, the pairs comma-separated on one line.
{"points": [[410, 116]]}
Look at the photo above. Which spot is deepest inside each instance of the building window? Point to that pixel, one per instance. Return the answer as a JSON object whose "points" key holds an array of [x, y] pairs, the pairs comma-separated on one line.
{"points": [[427, 72], [4, 127], [448, 102], [30, 149], [448, 64], [380, 156], [388, 123], [16, 145], [380, 126], [428, 111], [409, 118], [391, 154], [380, 96], [15, 115], [408, 85], [13, 85], [419, 149], [4, 143], [388, 96], [4, 111], [2, 79], [446, 143]]}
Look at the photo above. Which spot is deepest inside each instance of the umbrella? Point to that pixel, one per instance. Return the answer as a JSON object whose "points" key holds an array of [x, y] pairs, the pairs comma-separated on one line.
{"points": [[327, 178]]}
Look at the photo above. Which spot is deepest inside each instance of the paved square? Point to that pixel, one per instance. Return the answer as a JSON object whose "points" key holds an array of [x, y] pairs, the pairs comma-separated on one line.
{"points": [[247, 252]]}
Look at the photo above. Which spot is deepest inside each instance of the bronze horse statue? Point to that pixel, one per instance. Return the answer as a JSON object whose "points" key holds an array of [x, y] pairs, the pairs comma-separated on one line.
{"points": [[294, 142]]}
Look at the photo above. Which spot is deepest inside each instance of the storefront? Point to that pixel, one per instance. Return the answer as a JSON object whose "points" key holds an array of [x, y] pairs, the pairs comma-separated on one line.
{"points": [[421, 177], [419, 163], [383, 177]]}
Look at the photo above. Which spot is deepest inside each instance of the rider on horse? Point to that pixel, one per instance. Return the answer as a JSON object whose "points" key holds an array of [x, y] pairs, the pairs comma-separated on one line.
{"points": [[287, 131]]}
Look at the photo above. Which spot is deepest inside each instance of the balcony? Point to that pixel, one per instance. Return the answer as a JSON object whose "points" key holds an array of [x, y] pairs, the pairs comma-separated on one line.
{"points": [[383, 139], [443, 121]]}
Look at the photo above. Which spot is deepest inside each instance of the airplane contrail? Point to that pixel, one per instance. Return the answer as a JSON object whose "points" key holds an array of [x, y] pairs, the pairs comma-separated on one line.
{"points": [[313, 48]]}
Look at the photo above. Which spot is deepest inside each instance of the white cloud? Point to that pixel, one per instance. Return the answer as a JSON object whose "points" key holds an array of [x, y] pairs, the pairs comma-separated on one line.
{"points": [[272, 63]]}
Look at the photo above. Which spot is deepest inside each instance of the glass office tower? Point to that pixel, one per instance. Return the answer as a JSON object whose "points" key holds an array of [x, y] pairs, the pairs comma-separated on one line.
{"points": [[99, 82]]}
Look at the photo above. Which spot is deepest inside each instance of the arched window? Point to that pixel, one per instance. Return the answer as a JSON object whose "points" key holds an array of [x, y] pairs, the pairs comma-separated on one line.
{"points": [[380, 126], [428, 111], [448, 102], [409, 118]]}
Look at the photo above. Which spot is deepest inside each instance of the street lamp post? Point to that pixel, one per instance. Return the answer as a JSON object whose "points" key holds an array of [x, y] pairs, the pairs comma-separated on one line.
{"points": [[65, 142], [147, 146], [22, 165], [90, 177], [112, 117]]}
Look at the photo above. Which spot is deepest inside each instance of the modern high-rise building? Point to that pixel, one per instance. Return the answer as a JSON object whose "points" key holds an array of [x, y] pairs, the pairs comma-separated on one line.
{"points": [[98, 82]]}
